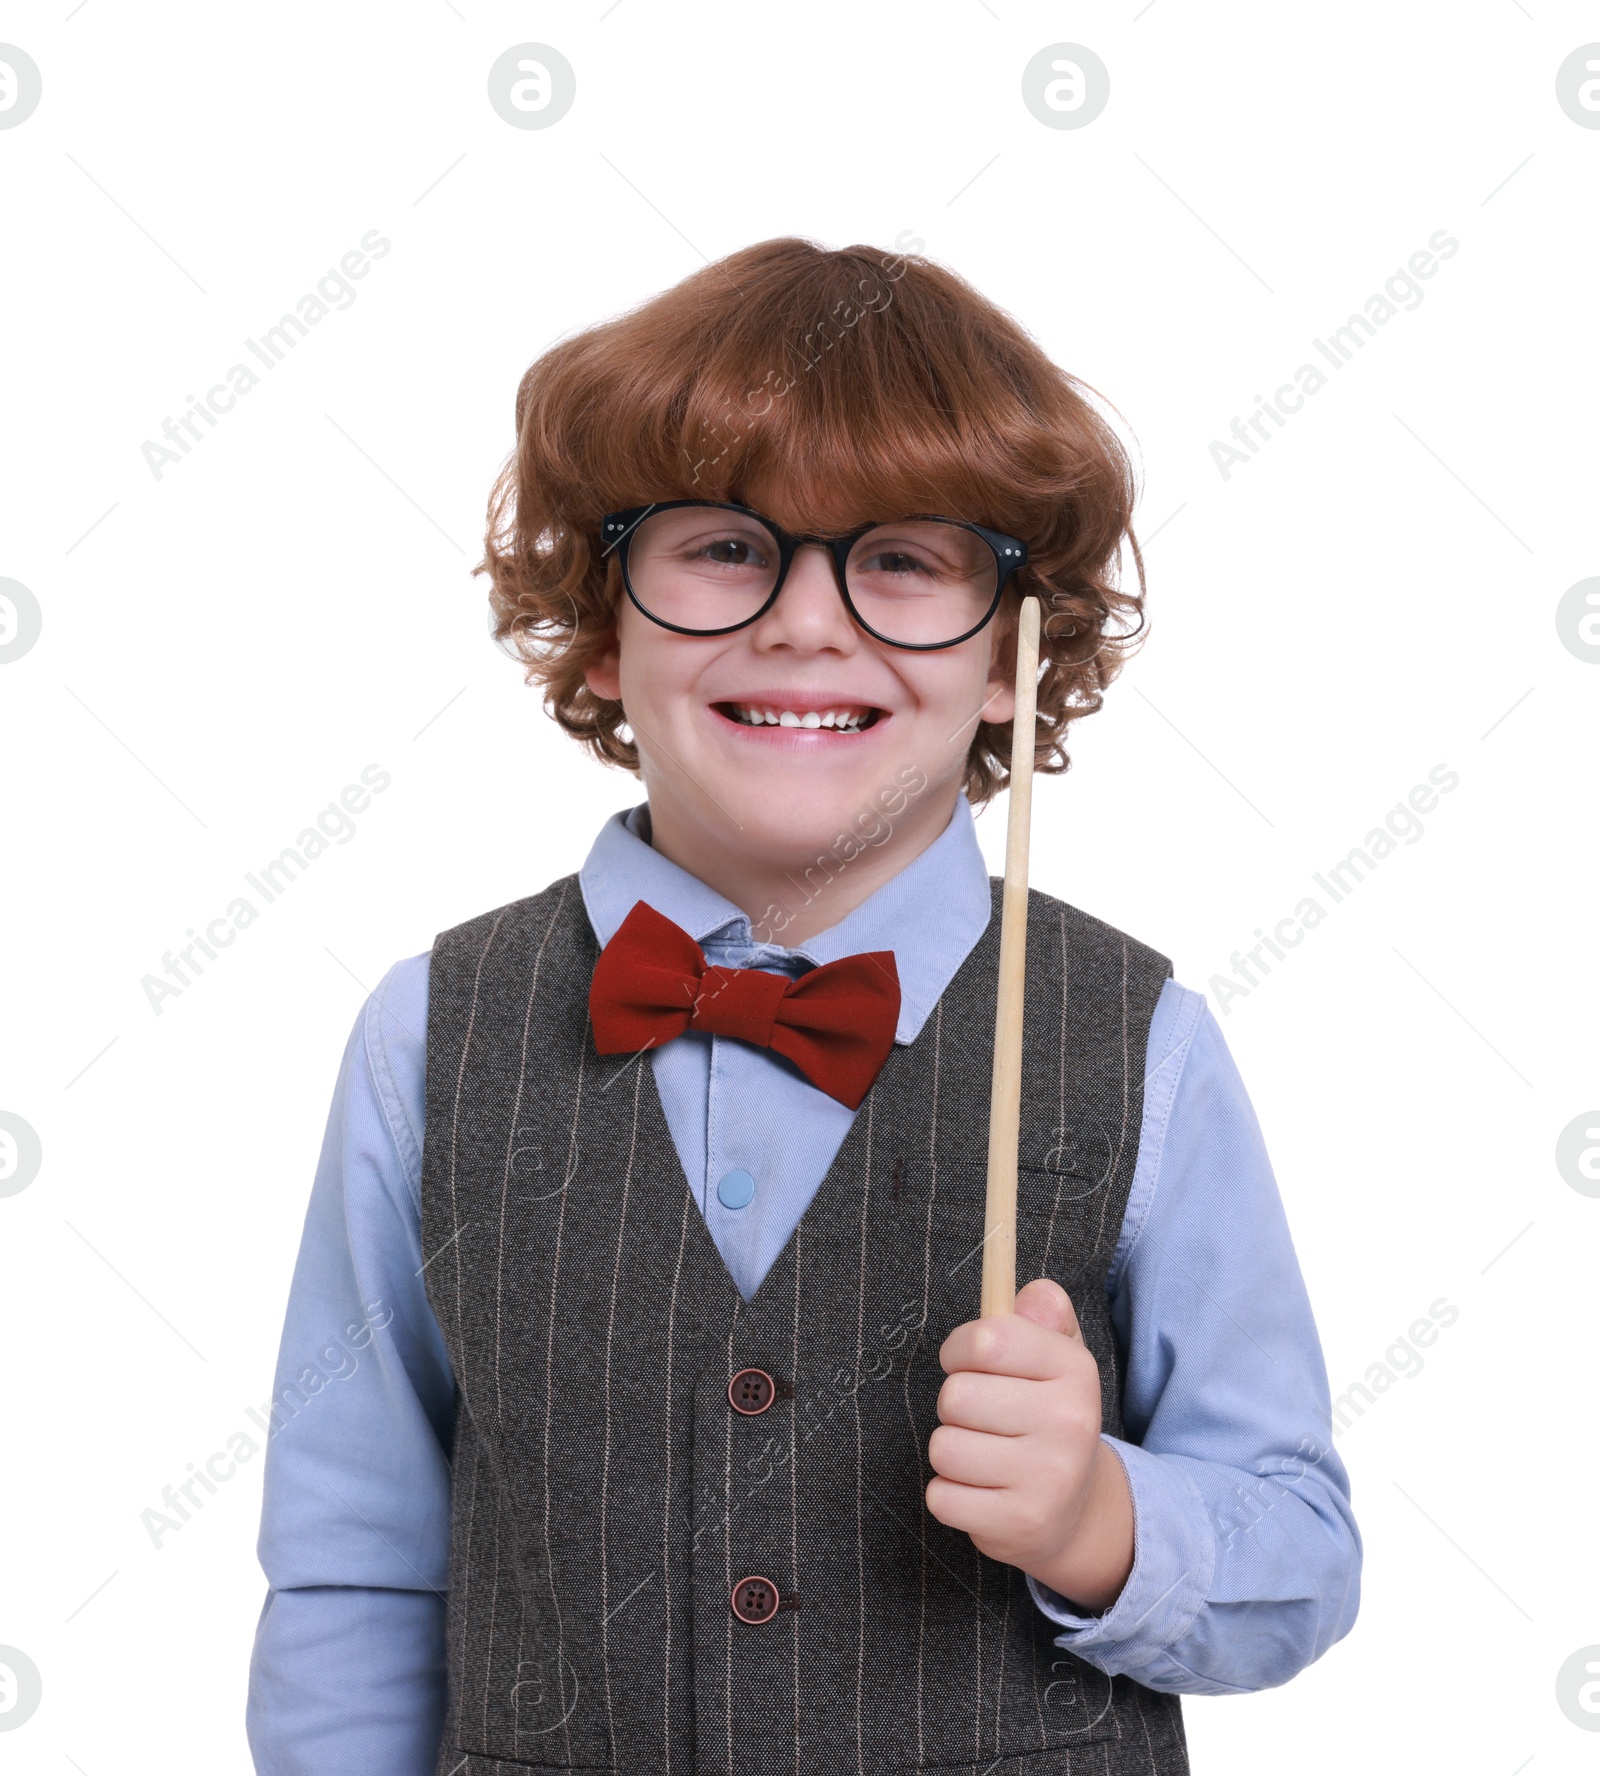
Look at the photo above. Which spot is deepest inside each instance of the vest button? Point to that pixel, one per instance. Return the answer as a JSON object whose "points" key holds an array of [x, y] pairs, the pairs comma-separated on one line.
{"points": [[755, 1600], [751, 1391]]}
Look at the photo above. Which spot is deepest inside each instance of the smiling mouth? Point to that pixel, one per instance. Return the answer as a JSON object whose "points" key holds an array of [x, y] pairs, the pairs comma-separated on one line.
{"points": [[842, 718]]}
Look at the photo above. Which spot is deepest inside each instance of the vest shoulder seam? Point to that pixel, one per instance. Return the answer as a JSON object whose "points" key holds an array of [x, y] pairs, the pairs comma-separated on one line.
{"points": [[1094, 929], [528, 906]]}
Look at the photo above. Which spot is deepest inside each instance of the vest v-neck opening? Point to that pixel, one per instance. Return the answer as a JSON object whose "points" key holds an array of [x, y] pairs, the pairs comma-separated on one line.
{"points": [[853, 1146]]}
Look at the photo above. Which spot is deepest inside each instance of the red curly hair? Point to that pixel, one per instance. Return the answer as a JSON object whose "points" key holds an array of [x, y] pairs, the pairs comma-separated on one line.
{"points": [[827, 388]]}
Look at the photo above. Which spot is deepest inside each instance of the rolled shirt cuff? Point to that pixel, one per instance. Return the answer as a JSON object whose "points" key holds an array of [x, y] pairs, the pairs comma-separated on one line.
{"points": [[1174, 1557]]}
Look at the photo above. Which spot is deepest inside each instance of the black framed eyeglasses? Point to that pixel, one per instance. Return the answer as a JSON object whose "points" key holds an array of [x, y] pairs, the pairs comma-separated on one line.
{"points": [[706, 567]]}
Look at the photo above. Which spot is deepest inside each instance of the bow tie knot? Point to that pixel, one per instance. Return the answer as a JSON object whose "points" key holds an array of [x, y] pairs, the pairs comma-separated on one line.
{"points": [[836, 1023], [741, 1002]]}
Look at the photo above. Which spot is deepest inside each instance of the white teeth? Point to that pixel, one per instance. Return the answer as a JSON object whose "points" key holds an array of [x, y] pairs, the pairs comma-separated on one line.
{"points": [[840, 720]]}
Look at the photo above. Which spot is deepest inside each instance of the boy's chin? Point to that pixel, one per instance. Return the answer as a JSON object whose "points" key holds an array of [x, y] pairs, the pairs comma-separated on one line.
{"points": [[792, 830]]}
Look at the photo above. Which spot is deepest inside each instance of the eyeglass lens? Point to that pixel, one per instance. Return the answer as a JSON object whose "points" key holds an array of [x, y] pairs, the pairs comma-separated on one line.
{"points": [[916, 581]]}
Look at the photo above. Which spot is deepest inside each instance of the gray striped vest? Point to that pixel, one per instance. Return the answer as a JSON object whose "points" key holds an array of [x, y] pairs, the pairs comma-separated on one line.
{"points": [[645, 1466]]}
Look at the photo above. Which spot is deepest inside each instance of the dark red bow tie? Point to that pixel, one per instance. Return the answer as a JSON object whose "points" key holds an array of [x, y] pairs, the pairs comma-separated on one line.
{"points": [[836, 1023]]}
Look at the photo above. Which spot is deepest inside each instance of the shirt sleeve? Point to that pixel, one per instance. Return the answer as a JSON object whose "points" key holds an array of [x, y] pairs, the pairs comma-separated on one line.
{"points": [[347, 1676], [1247, 1557]]}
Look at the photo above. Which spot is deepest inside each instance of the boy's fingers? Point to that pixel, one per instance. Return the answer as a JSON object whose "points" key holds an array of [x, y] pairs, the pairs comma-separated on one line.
{"points": [[1034, 1343], [971, 1459], [967, 1508], [1004, 1405], [1046, 1303], [1007, 1344]]}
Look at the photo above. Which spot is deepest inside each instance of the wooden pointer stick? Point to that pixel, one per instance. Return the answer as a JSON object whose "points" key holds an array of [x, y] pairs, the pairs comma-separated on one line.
{"points": [[1005, 1098]]}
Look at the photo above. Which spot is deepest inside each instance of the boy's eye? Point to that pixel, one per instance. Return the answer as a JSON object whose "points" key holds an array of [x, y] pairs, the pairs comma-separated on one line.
{"points": [[731, 552], [895, 561]]}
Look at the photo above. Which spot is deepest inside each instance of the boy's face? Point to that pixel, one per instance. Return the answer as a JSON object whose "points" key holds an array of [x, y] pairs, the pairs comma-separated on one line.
{"points": [[778, 796]]}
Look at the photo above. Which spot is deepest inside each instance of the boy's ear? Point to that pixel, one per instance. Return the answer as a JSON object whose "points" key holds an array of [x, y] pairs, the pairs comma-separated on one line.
{"points": [[1001, 702], [603, 674]]}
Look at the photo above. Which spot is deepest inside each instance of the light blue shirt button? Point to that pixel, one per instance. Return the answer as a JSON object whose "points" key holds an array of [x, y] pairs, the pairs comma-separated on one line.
{"points": [[735, 1190]]}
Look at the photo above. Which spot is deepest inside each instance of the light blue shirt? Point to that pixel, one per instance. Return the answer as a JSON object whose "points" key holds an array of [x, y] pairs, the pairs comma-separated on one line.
{"points": [[1247, 1556]]}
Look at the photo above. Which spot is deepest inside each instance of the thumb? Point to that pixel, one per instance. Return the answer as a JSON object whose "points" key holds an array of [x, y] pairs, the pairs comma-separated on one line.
{"points": [[1046, 1303]]}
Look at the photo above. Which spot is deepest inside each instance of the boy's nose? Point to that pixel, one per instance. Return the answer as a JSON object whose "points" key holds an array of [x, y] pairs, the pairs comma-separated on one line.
{"points": [[809, 611]]}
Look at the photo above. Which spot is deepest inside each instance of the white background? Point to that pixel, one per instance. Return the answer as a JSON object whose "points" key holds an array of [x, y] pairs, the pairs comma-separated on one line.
{"points": [[1369, 596]]}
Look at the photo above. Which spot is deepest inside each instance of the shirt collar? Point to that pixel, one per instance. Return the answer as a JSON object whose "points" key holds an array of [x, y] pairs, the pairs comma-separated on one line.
{"points": [[930, 914]]}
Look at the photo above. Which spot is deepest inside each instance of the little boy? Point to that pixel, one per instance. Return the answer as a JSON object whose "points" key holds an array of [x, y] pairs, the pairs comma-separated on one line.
{"points": [[675, 1443]]}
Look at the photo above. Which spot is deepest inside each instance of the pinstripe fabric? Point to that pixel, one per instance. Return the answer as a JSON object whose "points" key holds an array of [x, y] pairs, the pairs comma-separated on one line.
{"points": [[606, 1496]]}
